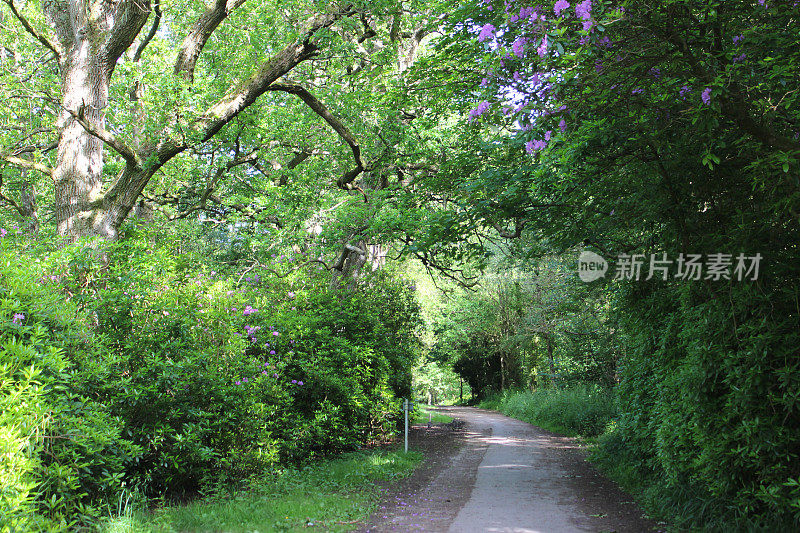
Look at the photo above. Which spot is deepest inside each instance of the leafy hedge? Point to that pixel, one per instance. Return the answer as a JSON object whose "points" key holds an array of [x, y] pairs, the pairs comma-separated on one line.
{"points": [[151, 371]]}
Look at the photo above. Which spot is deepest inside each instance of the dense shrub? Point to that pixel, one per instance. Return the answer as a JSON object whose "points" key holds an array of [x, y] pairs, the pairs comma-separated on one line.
{"points": [[152, 371], [61, 451]]}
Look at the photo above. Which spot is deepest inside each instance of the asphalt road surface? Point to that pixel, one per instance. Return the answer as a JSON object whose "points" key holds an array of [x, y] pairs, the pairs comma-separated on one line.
{"points": [[500, 475]]}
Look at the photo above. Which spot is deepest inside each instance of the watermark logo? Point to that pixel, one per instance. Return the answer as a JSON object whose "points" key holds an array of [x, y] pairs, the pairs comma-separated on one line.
{"points": [[714, 267], [591, 266]]}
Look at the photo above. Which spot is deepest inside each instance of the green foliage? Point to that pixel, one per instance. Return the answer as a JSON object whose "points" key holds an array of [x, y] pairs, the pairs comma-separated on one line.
{"points": [[211, 376], [329, 494], [63, 451], [583, 410]]}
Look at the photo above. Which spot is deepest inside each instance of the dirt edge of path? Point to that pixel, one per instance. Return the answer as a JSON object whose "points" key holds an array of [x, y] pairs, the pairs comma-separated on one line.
{"points": [[430, 498]]}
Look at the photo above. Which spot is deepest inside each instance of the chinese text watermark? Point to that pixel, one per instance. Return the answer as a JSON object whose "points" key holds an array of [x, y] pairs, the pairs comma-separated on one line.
{"points": [[714, 267]]}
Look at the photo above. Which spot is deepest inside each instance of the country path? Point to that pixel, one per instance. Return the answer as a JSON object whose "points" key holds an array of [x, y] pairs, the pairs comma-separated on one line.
{"points": [[491, 473]]}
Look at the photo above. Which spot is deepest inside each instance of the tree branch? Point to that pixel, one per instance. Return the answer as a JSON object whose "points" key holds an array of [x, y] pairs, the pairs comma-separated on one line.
{"points": [[129, 18], [33, 31], [196, 39], [24, 163], [345, 182], [128, 154], [152, 33]]}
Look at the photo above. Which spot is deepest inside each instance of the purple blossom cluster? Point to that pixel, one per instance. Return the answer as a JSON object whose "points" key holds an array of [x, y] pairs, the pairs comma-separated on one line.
{"points": [[18, 317]]}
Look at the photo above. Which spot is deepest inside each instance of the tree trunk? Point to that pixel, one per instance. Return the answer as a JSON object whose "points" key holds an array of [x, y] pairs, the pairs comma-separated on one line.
{"points": [[78, 174]]}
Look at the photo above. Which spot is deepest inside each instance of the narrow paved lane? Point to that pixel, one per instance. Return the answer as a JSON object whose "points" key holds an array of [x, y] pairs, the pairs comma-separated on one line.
{"points": [[532, 481], [507, 476]]}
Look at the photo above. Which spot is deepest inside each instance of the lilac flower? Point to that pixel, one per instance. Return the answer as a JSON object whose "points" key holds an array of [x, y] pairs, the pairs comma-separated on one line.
{"points": [[272, 352], [294, 382], [518, 47], [534, 146], [542, 50], [560, 6], [17, 318], [738, 38], [249, 310], [300, 383], [478, 111], [685, 89], [274, 375], [487, 32], [584, 10], [562, 125], [588, 25], [706, 96], [637, 90], [290, 294], [548, 134], [264, 372], [275, 333]]}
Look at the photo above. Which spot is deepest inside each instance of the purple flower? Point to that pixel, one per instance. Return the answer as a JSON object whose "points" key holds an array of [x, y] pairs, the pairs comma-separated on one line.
{"points": [[300, 383], [272, 352], [706, 96], [739, 58], [685, 89], [274, 375], [487, 32], [738, 38], [290, 294], [535, 145], [248, 311], [264, 372], [3, 232], [584, 10], [518, 47], [237, 382], [478, 111], [17, 318], [275, 333], [294, 382], [244, 380], [542, 50], [560, 6], [484, 82], [562, 125], [548, 134]]}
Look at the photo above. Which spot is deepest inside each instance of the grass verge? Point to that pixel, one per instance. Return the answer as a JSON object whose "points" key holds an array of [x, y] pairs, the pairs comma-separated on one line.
{"points": [[581, 410], [425, 414], [330, 495]]}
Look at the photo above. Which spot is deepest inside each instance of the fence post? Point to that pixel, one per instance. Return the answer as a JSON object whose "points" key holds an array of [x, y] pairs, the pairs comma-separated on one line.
{"points": [[405, 411]]}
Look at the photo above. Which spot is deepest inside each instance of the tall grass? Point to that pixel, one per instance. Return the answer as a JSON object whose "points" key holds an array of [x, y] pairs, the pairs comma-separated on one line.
{"points": [[584, 410], [332, 495]]}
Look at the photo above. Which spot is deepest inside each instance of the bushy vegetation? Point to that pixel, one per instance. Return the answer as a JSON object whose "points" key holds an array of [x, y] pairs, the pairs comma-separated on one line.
{"points": [[130, 365], [329, 495], [579, 410]]}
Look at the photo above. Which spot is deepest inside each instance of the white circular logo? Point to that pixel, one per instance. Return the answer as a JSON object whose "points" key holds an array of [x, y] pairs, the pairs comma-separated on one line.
{"points": [[591, 266]]}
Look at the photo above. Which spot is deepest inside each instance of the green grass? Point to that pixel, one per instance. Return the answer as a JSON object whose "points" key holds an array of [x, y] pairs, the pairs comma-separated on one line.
{"points": [[435, 418], [331, 495], [582, 410]]}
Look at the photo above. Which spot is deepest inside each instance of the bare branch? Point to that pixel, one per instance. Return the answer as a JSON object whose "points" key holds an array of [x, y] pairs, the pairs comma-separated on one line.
{"points": [[345, 182], [129, 18], [152, 33], [196, 39], [128, 154], [24, 163], [33, 31]]}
